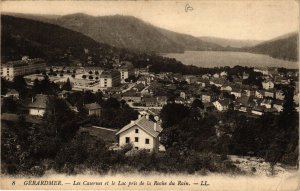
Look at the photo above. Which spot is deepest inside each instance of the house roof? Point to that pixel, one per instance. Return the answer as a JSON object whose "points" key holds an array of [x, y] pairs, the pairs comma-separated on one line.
{"points": [[109, 74], [145, 124], [224, 102], [92, 106], [150, 99], [258, 108], [278, 102], [243, 100], [266, 101], [142, 78], [131, 94], [113, 89], [235, 89], [162, 98], [12, 91], [268, 81], [40, 101], [139, 86], [218, 81]]}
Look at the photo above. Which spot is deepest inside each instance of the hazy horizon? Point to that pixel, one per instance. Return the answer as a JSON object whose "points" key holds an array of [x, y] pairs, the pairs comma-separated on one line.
{"points": [[246, 20]]}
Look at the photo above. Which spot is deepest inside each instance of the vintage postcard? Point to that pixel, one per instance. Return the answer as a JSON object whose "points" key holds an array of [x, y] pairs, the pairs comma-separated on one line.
{"points": [[150, 95]]}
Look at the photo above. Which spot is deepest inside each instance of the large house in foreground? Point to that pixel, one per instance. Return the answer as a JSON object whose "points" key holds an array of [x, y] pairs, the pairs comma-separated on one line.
{"points": [[142, 133]]}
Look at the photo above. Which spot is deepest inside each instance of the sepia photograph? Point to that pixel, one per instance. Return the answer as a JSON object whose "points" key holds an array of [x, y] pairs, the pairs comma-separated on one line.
{"points": [[150, 95]]}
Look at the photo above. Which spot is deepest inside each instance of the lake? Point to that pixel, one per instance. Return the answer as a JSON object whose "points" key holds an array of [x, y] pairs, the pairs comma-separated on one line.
{"points": [[208, 59]]}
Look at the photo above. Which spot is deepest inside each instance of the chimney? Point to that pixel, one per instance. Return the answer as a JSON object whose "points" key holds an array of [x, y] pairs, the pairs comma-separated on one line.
{"points": [[155, 126], [140, 116], [132, 122], [32, 99], [147, 116]]}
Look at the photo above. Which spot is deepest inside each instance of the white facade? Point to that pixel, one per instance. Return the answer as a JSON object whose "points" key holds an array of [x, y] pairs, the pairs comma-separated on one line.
{"points": [[267, 105], [109, 79], [226, 88], [269, 94], [278, 107], [267, 85], [258, 94], [142, 133], [263, 71], [37, 111], [138, 138], [106, 82], [236, 94], [219, 106], [126, 73], [255, 112], [280, 95]]}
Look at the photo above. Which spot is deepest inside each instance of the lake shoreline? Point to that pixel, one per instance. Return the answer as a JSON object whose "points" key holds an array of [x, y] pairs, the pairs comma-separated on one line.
{"points": [[210, 59]]}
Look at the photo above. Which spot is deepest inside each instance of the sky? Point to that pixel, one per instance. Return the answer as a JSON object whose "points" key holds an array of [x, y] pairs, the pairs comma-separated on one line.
{"points": [[235, 19]]}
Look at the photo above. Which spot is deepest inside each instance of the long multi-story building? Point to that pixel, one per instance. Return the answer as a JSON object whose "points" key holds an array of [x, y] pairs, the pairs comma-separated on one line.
{"points": [[109, 79], [127, 70], [22, 67]]}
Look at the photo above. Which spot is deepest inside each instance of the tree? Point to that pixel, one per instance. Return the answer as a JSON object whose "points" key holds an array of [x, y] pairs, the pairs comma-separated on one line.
{"points": [[36, 88], [57, 111], [88, 97], [111, 103], [67, 86], [197, 103], [90, 77], [90, 72], [216, 89], [20, 85], [4, 86], [98, 97], [84, 76], [172, 114], [9, 105], [190, 135]]}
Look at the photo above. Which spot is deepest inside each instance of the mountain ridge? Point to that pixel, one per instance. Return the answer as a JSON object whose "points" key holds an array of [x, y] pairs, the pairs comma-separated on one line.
{"points": [[128, 32], [137, 35], [226, 42]]}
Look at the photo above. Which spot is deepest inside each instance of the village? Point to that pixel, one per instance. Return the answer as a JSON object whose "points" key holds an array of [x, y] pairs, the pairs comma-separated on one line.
{"points": [[148, 92]]}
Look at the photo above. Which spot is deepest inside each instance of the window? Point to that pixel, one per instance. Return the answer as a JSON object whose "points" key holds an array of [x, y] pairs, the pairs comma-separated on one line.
{"points": [[136, 130], [147, 141], [136, 139], [127, 139], [136, 148]]}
